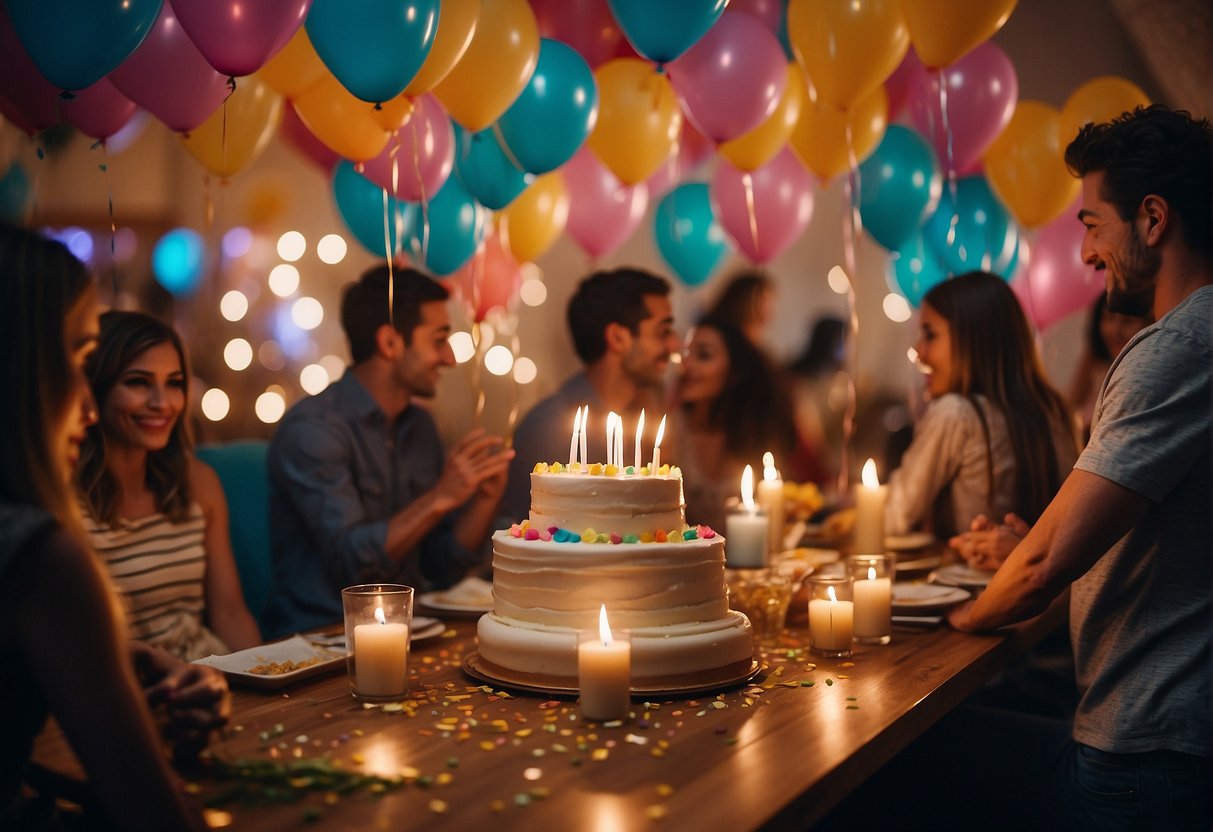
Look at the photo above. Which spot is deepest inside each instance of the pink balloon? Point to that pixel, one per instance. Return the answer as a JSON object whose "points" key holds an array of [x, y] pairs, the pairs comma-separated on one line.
{"points": [[26, 98], [237, 37], [897, 85], [99, 110], [770, 12], [422, 152], [488, 281], [982, 89], [168, 77], [1057, 283], [782, 196], [296, 134], [603, 212], [586, 25], [732, 78]]}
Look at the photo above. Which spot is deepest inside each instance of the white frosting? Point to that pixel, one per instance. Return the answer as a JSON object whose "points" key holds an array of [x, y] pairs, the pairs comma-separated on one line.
{"points": [[671, 596]]}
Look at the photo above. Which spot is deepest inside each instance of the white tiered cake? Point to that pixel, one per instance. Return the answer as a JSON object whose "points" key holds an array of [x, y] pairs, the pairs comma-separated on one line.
{"points": [[621, 540]]}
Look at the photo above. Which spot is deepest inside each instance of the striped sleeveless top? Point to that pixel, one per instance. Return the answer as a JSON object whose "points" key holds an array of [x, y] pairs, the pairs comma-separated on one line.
{"points": [[159, 568]]}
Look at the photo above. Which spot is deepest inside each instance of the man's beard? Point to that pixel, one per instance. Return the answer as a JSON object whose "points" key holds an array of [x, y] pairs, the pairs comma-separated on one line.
{"points": [[1138, 278]]}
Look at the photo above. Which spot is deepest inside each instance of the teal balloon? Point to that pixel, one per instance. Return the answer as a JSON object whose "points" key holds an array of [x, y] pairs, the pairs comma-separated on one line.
{"points": [[76, 43], [360, 204], [899, 187], [454, 230], [486, 170], [974, 231], [178, 261], [914, 270], [373, 47], [661, 30], [690, 239], [555, 112], [14, 192]]}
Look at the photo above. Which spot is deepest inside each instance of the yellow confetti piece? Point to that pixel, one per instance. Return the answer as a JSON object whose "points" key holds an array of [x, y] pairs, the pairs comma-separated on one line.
{"points": [[487, 745], [438, 806], [599, 754], [664, 789], [842, 676], [847, 664], [443, 778], [523, 732], [656, 812], [657, 752], [497, 806], [217, 818], [357, 759], [331, 798]]}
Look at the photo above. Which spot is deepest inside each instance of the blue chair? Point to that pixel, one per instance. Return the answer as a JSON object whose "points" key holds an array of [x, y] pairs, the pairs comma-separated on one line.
{"points": [[241, 470]]}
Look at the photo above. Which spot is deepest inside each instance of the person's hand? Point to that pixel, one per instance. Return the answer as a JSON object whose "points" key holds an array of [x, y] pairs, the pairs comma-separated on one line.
{"points": [[958, 616], [478, 463], [196, 697], [986, 545]]}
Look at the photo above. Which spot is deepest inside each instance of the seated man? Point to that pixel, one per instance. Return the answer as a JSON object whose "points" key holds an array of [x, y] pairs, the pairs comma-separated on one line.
{"points": [[622, 325], [360, 491]]}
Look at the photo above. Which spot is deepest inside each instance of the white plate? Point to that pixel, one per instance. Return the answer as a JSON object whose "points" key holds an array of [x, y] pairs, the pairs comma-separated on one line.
{"points": [[916, 599], [960, 575], [471, 595], [919, 564], [906, 542]]}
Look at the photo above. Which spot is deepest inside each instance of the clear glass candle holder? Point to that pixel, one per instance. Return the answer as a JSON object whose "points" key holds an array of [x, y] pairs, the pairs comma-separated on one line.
{"points": [[873, 596], [377, 622], [831, 615]]}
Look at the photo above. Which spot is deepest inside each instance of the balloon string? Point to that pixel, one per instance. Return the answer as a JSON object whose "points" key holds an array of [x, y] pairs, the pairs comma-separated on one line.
{"points": [[949, 152], [748, 182], [851, 227], [387, 253], [505, 148], [511, 418], [109, 189], [477, 387]]}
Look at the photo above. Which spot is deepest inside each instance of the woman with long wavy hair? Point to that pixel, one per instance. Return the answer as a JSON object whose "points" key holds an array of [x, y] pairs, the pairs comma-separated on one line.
{"points": [[995, 438], [155, 514]]}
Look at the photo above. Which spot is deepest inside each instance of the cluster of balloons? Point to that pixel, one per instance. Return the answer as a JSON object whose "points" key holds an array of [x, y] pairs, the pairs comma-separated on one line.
{"points": [[471, 134]]}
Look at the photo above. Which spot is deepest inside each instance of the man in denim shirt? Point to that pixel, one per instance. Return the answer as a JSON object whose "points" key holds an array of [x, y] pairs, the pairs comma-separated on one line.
{"points": [[360, 488]]}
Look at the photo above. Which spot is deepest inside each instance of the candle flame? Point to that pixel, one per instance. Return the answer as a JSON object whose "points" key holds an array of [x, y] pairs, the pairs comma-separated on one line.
{"points": [[830, 592], [869, 477], [604, 628], [379, 616], [871, 573], [747, 489], [660, 433], [577, 423], [769, 472]]}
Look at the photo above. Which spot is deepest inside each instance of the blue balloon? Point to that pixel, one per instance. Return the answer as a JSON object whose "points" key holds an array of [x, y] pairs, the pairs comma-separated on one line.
{"points": [[373, 47], [899, 187], [661, 30], [486, 170], [14, 192], [914, 270], [76, 43], [689, 237], [975, 232], [453, 232], [360, 203], [555, 111], [178, 261]]}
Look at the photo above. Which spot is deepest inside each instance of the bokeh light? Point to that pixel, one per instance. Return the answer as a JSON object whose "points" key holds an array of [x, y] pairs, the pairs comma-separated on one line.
{"points": [[334, 365], [896, 308], [215, 404], [233, 305], [331, 249], [238, 354], [271, 356], [284, 280], [313, 378], [270, 406], [237, 242], [178, 261], [499, 360], [837, 278], [291, 246], [525, 370], [533, 292], [307, 313], [462, 346]]}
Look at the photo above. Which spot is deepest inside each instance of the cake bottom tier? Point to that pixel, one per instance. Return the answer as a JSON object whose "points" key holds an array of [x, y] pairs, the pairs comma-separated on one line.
{"points": [[704, 651]]}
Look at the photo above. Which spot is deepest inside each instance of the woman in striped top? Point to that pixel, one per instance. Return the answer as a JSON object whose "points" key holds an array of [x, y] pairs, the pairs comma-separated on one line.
{"points": [[155, 514]]}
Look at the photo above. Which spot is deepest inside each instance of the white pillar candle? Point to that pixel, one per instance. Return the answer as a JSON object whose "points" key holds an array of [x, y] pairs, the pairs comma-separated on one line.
{"points": [[868, 535], [745, 539], [770, 500], [381, 657], [639, 434], [831, 623], [604, 672], [657, 447], [873, 607]]}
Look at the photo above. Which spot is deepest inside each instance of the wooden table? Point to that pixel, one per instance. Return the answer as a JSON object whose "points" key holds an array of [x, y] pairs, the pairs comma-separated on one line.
{"points": [[774, 754]]}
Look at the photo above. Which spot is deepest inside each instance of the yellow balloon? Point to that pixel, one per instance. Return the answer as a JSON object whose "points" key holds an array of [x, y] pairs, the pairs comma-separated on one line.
{"points": [[1098, 100], [239, 130], [456, 24], [345, 123], [295, 68], [638, 119], [942, 31], [848, 47], [1025, 166], [394, 113], [536, 218], [820, 138], [496, 66], [754, 149]]}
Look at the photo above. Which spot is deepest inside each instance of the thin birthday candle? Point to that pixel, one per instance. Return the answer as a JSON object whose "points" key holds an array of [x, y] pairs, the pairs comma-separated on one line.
{"points": [[612, 426], [657, 447], [573, 438], [619, 442], [639, 434], [585, 420]]}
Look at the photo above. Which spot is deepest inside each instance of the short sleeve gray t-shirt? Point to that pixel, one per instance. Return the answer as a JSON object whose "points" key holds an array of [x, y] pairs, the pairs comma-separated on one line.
{"points": [[1139, 619]]}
